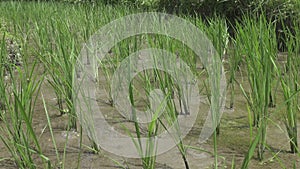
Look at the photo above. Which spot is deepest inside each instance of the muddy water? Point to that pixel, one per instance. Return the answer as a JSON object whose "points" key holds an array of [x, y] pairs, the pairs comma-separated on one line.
{"points": [[233, 141]]}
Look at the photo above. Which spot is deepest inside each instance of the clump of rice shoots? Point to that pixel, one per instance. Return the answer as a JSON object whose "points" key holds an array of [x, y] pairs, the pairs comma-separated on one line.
{"points": [[289, 78], [217, 32], [18, 96], [256, 42]]}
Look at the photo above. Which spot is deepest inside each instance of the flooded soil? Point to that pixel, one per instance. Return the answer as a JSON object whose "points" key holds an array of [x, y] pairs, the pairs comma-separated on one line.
{"points": [[233, 141]]}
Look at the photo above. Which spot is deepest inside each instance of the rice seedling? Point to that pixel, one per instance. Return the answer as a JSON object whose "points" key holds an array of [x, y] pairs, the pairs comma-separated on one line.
{"points": [[60, 65], [149, 154], [170, 116], [235, 61], [289, 78], [217, 32], [18, 94], [177, 94], [157, 79], [51, 131], [113, 59], [256, 41], [233, 163]]}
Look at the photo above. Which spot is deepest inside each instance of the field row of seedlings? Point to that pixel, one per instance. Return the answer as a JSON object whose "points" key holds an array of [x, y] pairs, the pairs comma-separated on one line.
{"points": [[40, 45]]}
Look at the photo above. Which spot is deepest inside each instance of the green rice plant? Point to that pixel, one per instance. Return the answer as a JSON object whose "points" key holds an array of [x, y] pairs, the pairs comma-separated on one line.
{"points": [[173, 88], [169, 117], [235, 61], [252, 148], [51, 130], [46, 50], [146, 152], [18, 94], [148, 156], [217, 28], [217, 32], [171, 114], [60, 66], [290, 84], [2, 75], [113, 59], [233, 165], [256, 42], [151, 80]]}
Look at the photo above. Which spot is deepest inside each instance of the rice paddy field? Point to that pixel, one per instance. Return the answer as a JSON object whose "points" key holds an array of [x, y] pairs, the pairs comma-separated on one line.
{"points": [[40, 126]]}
